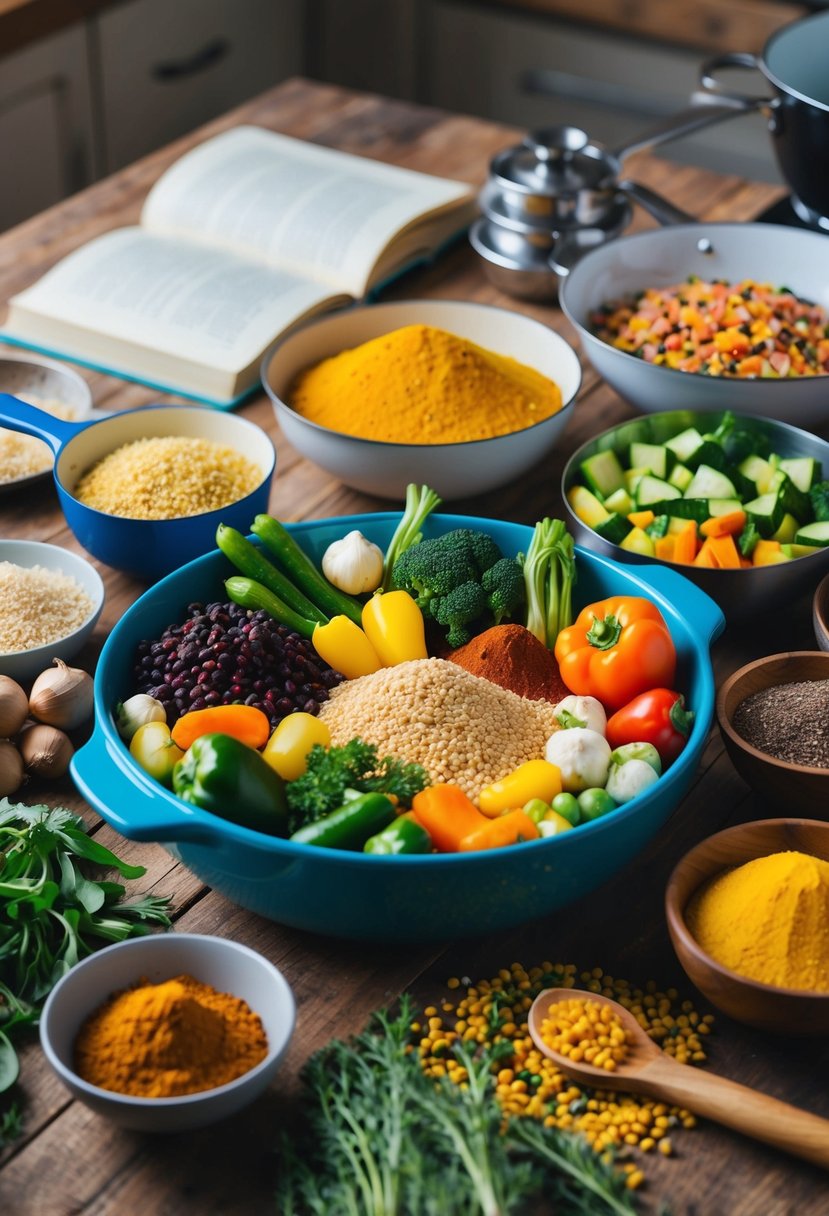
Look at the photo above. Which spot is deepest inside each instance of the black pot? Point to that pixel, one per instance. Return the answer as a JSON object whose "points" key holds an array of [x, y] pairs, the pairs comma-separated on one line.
{"points": [[795, 62]]}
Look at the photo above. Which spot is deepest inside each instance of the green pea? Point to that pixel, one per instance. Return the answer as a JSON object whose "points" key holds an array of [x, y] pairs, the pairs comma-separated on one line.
{"points": [[594, 803], [567, 806]]}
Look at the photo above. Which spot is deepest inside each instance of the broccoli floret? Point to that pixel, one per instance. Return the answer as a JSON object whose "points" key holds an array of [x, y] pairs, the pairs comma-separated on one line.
{"points": [[434, 568], [459, 610], [504, 586]]}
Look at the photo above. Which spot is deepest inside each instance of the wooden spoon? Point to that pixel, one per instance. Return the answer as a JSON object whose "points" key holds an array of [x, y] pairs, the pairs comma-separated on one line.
{"points": [[646, 1069]]}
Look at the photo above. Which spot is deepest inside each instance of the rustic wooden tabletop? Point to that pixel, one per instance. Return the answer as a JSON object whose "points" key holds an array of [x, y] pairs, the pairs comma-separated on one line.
{"points": [[68, 1159]]}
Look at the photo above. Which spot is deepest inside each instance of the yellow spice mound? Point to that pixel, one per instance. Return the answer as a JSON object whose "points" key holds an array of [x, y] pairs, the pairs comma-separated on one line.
{"points": [[461, 728], [768, 920], [423, 385], [167, 477]]}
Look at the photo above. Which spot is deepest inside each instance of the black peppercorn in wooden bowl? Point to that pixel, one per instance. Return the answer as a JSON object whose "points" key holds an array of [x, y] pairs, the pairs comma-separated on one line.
{"points": [[777, 735]]}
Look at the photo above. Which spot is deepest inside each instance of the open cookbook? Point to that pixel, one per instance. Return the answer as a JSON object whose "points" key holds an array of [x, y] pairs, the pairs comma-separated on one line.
{"points": [[240, 241]]}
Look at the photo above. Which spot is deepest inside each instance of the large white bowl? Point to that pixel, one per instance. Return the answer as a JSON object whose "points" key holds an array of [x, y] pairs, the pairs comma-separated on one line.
{"points": [[454, 470], [768, 253], [27, 664], [225, 965]]}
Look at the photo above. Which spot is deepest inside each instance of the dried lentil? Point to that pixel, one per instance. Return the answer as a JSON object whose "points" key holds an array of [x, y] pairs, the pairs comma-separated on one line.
{"points": [[493, 1013], [167, 477], [460, 727], [788, 721], [38, 606], [585, 1030]]}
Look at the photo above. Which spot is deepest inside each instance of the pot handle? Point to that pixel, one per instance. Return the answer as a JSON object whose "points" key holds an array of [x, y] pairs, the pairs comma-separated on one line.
{"points": [[697, 607], [733, 59], [657, 206], [18, 415], [134, 803]]}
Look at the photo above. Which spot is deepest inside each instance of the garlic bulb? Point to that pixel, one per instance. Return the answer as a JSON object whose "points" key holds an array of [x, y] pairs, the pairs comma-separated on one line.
{"points": [[353, 563], [11, 768], [14, 707], [62, 697], [137, 710], [46, 751]]}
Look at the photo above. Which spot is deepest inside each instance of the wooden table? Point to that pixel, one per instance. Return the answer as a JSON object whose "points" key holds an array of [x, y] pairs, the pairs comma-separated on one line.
{"points": [[69, 1160]]}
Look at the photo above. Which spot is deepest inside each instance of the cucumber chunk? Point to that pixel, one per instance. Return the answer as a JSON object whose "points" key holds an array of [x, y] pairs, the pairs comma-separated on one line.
{"points": [[586, 506], [653, 456], [681, 477], [603, 473], [651, 489], [803, 470], [767, 511], [619, 501], [685, 444], [614, 529], [816, 534], [710, 483]]}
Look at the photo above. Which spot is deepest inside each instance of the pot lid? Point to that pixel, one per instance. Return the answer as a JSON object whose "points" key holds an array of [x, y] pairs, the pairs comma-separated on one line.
{"points": [[554, 161]]}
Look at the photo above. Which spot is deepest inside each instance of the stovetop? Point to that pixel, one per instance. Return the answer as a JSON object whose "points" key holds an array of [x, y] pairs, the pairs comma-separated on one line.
{"points": [[782, 212]]}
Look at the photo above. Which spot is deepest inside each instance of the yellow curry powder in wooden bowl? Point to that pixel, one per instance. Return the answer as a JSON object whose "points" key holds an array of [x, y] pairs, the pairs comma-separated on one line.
{"points": [[423, 385]]}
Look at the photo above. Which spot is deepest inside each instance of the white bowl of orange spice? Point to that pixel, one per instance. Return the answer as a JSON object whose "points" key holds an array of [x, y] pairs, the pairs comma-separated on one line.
{"points": [[463, 397], [168, 1032]]}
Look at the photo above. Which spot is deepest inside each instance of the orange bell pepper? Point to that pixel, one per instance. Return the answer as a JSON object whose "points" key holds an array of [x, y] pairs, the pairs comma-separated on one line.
{"points": [[447, 815], [244, 722], [726, 553], [615, 649], [506, 829]]}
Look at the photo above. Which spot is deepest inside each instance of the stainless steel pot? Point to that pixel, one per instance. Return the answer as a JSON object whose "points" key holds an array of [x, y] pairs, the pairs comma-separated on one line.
{"points": [[795, 62], [556, 195]]}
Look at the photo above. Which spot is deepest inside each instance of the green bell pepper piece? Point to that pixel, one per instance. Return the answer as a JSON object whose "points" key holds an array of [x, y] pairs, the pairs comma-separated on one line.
{"points": [[351, 825], [226, 777]]}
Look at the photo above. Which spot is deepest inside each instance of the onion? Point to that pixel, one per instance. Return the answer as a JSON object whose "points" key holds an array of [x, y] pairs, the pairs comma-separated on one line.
{"points": [[14, 707], [46, 751], [11, 768]]}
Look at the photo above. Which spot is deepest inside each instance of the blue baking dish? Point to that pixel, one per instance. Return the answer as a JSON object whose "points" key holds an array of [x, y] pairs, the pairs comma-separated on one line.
{"points": [[413, 898]]}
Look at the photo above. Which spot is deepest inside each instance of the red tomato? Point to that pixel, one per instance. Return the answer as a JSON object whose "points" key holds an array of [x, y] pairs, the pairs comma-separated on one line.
{"points": [[659, 717]]}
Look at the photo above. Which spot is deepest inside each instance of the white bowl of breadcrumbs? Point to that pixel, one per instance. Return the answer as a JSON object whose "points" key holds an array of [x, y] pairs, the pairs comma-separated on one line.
{"points": [[50, 601]]}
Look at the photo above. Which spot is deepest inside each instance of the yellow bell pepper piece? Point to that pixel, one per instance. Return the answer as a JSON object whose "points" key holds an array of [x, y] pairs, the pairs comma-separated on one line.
{"points": [[287, 749], [393, 624], [344, 645], [533, 779]]}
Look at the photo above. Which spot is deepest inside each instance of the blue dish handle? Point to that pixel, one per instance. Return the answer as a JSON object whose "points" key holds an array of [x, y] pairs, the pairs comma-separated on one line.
{"points": [[18, 415], [697, 607], [98, 774]]}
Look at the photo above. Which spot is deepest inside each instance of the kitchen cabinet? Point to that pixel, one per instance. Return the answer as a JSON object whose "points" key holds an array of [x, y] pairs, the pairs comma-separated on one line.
{"points": [[165, 68], [535, 71], [47, 144]]}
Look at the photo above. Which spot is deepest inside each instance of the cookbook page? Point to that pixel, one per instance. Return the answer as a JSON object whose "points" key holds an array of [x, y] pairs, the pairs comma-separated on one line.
{"points": [[313, 211]]}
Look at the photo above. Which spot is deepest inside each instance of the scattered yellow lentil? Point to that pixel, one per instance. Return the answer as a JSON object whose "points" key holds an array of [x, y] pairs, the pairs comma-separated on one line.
{"points": [[462, 728], [586, 1031], [167, 477], [38, 606], [493, 1013]]}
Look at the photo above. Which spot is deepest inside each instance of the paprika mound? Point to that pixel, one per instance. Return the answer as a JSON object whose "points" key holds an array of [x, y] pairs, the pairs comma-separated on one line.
{"points": [[163, 1040], [514, 658]]}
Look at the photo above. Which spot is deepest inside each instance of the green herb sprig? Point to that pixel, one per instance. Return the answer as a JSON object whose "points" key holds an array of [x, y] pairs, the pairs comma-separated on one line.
{"points": [[52, 914], [353, 766], [382, 1139]]}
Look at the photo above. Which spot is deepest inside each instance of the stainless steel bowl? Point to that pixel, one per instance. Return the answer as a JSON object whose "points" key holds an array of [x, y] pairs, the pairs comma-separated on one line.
{"points": [[739, 593]]}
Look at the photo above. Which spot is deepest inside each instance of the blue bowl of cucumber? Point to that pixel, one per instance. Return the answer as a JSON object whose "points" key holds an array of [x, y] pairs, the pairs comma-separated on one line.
{"points": [[737, 503]]}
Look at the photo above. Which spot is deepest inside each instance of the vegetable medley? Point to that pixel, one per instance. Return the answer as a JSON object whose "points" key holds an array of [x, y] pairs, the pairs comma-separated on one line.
{"points": [[723, 500], [716, 328], [266, 755]]}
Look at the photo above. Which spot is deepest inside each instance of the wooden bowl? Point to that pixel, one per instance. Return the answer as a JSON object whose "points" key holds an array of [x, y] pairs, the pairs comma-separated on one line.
{"points": [[782, 1010], [780, 782], [820, 613]]}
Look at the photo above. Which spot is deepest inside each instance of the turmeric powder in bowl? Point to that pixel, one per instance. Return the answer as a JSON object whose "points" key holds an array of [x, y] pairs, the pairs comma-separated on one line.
{"points": [[768, 920], [162, 1040], [422, 385]]}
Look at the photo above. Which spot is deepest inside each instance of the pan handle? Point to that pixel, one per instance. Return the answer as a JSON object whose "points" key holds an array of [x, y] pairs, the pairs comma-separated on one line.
{"points": [[732, 59], [18, 415], [657, 206], [704, 111]]}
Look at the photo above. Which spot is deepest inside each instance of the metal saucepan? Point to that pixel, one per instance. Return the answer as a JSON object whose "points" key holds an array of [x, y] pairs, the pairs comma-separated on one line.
{"points": [[768, 253], [795, 62], [557, 179]]}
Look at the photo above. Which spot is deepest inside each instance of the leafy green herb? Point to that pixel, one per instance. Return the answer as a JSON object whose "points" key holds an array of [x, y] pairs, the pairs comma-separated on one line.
{"points": [[382, 1139], [353, 766], [10, 1125], [52, 914], [549, 575]]}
